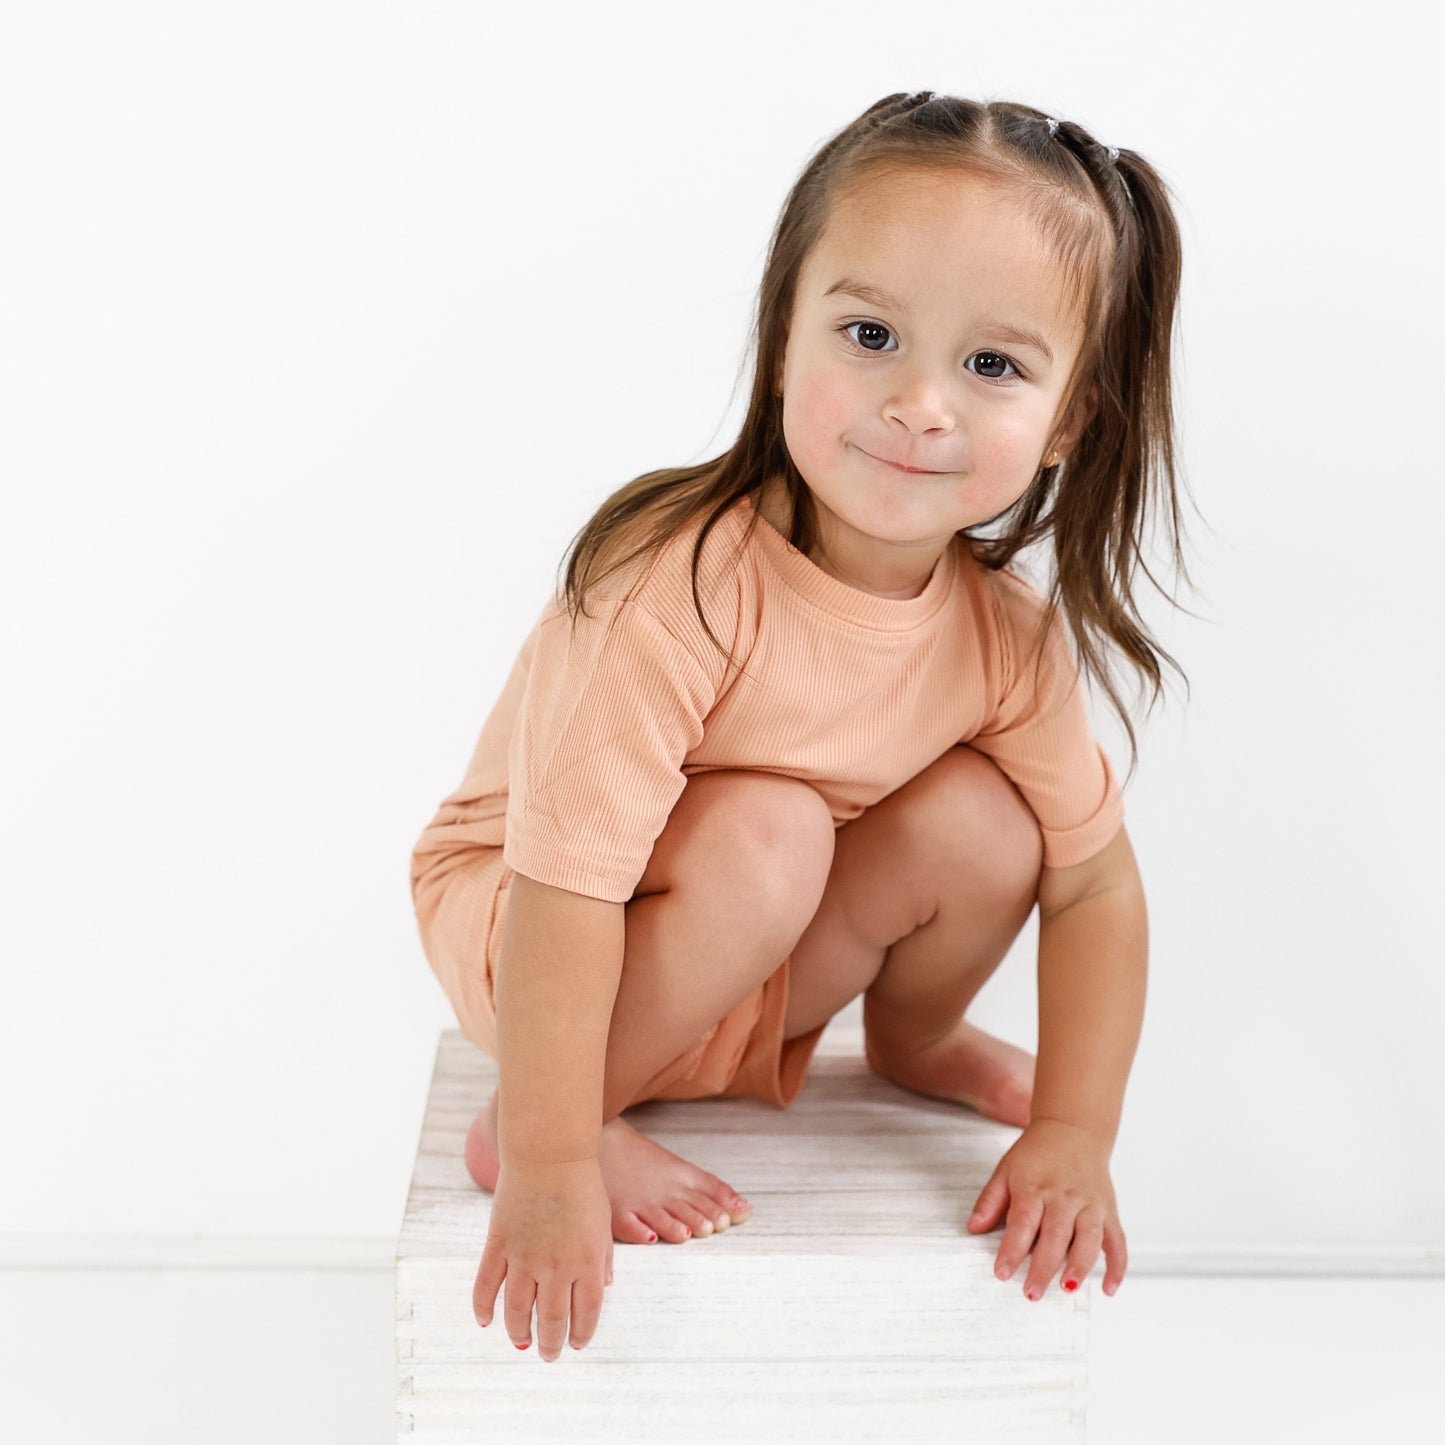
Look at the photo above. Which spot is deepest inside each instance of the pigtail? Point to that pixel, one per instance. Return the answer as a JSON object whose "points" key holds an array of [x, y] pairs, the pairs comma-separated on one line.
{"points": [[1146, 315], [1122, 471]]}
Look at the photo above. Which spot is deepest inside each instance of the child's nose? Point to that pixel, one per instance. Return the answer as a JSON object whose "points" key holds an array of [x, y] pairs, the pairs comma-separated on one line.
{"points": [[920, 399]]}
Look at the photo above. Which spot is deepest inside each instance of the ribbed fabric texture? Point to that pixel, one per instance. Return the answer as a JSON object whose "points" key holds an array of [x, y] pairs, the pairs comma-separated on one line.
{"points": [[595, 733]]}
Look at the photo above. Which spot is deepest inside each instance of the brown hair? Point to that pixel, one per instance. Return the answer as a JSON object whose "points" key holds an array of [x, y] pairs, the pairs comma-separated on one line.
{"points": [[1108, 216]]}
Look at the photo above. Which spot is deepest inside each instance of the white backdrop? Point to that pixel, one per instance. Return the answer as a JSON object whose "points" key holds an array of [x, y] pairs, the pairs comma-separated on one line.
{"points": [[326, 326]]}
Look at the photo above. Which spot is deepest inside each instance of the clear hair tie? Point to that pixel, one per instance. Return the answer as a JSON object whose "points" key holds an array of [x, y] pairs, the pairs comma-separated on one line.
{"points": [[1113, 152]]}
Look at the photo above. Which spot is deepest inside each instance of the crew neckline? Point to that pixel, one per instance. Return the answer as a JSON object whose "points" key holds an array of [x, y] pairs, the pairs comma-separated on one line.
{"points": [[823, 590]]}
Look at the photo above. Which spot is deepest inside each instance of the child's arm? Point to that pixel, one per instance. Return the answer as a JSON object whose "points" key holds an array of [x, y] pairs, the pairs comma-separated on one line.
{"points": [[1054, 1182], [549, 1237], [1093, 962], [561, 963]]}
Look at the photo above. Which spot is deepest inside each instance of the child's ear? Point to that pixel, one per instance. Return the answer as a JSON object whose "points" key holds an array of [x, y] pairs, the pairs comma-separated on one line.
{"points": [[1079, 414]]}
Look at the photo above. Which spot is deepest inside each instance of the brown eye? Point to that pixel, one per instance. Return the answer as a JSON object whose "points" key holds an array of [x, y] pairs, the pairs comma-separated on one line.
{"points": [[872, 336], [991, 364]]}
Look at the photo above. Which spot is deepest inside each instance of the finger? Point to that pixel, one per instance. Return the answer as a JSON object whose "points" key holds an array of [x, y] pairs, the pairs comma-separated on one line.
{"points": [[1018, 1238], [1116, 1253], [517, 1311], [1053, 1244], [554, 1300], [609, 1261], [490, 1274], [990, 1204], [1088, 1234], [586, 1308]]}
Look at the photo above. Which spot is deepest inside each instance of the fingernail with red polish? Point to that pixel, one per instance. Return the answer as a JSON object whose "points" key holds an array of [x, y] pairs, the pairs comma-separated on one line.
{"points": [[1071, 1284], [520, 1347]]}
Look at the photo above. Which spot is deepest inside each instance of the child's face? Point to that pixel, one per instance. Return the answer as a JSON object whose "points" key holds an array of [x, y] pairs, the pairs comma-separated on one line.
{"points": [[934, 378]]}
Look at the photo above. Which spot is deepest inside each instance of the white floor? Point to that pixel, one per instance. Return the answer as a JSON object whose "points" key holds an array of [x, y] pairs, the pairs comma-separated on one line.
{"points": [[305, 1357]]}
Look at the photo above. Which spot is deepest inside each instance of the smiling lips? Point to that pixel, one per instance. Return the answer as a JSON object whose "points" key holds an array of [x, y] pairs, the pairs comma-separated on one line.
{"points": [[920, 471]]}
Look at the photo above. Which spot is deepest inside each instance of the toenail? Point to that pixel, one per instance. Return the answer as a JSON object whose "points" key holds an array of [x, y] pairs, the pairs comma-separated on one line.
{"points": [[706, 1227]]}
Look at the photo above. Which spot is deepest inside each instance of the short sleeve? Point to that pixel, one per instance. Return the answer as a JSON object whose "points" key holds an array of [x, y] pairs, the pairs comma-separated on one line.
{"points": [[1041, 738], [594, 765]]}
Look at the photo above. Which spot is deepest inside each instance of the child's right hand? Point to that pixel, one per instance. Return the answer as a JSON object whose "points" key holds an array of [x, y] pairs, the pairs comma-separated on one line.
{"points": [[551, 1240]]}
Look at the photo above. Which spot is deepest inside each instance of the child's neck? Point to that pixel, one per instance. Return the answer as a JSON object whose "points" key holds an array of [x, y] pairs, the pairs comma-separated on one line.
{"points": [[776, 508]]}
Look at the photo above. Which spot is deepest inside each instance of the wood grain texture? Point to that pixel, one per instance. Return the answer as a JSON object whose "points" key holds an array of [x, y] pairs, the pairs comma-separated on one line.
{"points": [[852, 1306]]}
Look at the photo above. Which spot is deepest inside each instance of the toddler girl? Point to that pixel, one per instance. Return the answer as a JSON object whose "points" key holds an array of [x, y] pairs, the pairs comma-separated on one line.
{"points": [[815, 738]]}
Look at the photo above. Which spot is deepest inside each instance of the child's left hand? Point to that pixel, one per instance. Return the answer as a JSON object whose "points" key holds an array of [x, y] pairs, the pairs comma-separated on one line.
{"points": [[1056, 1176]]}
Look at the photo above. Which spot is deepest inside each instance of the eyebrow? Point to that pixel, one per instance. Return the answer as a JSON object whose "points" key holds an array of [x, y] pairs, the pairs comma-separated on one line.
{"points": [[876, 296]]}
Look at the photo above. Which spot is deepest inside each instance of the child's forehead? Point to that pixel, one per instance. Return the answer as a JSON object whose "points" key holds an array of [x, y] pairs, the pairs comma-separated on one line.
{"points": [[913, 211], [943, 235], [870, 189]]}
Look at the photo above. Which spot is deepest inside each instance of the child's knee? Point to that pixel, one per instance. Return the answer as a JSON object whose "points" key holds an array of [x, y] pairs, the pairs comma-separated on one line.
{"points": [[762, 843], [780, 844]]}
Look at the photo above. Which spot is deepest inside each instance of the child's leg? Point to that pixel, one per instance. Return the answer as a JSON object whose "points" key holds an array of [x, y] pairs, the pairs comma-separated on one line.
{"points": [[733, 879], [928, 890]]}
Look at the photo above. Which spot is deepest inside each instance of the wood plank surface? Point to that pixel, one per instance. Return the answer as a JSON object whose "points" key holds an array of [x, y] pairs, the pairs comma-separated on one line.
{"points": [[852, 1306]]}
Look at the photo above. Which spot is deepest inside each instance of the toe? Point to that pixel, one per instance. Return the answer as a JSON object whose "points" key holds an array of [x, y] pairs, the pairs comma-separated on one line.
{"points": [[709, 1211], [628, 1228], [717, 1209], [667, 1226], [694, 1214], [722, 1204]]}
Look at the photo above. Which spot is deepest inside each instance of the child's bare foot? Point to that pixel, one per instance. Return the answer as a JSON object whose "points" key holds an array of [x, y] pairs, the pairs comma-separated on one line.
{"points": [[651, 1188], [967, 1066]]}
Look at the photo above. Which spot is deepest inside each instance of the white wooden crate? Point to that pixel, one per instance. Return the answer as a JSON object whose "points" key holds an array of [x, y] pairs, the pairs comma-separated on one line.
{"points": [[852, 1306]]}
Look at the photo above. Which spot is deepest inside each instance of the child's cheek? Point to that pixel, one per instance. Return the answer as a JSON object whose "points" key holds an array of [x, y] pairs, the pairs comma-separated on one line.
{"points": [[821, 411], [1009, 452]]}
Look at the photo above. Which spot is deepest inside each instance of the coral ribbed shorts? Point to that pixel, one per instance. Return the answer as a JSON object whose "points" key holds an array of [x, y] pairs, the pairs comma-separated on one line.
{"points": [[461, 917]]}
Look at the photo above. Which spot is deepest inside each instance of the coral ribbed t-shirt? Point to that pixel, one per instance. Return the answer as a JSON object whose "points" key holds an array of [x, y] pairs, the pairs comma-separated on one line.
{"points": [[596, 732]]}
